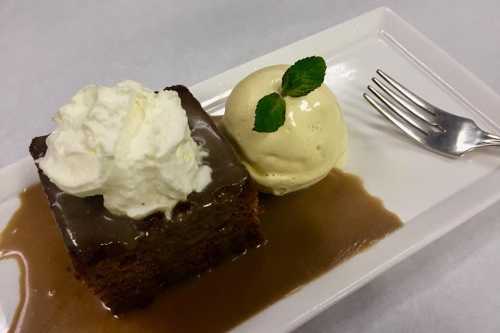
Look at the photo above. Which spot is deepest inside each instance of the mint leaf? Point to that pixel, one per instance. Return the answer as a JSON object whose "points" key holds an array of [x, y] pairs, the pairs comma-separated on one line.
{"points": [[303, 77], [270, 113]]}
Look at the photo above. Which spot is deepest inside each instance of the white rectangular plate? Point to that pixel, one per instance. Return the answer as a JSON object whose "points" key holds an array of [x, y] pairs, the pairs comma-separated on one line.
{"points": [[430, 193]]}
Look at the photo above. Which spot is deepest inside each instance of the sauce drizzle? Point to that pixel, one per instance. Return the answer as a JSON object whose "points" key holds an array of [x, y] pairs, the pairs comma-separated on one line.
{"points": [[308, 233]]}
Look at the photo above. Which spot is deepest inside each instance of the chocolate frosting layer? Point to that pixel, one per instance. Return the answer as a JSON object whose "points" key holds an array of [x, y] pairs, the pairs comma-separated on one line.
{"points": [[90, 231], [227, 169]]}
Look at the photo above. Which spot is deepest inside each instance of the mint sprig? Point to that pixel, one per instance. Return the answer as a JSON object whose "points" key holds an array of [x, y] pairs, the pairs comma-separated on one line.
{"points": [[299, 80], [303, 77], [270, 113]]}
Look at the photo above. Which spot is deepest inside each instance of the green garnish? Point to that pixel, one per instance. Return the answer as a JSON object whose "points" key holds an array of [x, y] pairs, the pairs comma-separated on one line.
{"points": [[299, 80], [270, 113], [303, 77]]}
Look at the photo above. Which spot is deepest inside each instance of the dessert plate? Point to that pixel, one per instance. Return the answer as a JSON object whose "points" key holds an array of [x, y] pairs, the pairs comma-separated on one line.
{"points": [[430, 193]]}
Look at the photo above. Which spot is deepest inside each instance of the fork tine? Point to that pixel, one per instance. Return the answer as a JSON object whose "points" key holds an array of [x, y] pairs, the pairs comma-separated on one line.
{"points": [[407, 93], [409, 119], [424, 116], [402, 125]]}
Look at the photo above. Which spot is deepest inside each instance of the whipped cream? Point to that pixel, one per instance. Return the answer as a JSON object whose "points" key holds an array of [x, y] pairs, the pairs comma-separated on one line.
{"points": [[130, 145]]}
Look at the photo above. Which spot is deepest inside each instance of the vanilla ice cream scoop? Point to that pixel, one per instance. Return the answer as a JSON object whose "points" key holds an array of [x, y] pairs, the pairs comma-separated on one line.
{"points": [[312, 141]]}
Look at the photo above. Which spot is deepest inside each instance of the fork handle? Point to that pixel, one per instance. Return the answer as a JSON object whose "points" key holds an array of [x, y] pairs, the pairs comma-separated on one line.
{"points": [[490, 140]]}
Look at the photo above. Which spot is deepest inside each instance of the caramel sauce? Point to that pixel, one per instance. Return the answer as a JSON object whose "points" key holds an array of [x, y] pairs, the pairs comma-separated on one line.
{"points": [[308, 233]]}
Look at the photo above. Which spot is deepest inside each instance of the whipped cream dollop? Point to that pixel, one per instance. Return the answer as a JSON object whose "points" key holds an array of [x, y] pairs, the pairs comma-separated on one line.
{"points": [[129, 144]]}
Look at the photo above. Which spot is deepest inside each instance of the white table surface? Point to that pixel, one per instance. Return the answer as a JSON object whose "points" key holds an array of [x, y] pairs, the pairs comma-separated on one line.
{"points": [[49, 49]]}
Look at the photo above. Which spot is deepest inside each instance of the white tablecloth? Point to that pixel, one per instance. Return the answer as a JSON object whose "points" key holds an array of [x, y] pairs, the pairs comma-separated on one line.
{"points": [[49, 49]]}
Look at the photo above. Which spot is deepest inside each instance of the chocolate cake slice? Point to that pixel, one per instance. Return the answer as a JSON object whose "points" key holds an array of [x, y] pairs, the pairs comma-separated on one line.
{"points": [[126, 262]]}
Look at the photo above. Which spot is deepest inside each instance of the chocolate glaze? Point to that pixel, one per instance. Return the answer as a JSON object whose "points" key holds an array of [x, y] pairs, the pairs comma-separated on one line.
{"points": [[226, 167]]}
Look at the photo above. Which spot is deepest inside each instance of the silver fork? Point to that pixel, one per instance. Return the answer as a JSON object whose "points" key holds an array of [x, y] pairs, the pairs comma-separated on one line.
{"points": [[432, 127]]}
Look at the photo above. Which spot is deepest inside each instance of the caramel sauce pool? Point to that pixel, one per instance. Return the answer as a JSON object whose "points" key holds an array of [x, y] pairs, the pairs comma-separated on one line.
{"points": [[308, 232]]}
